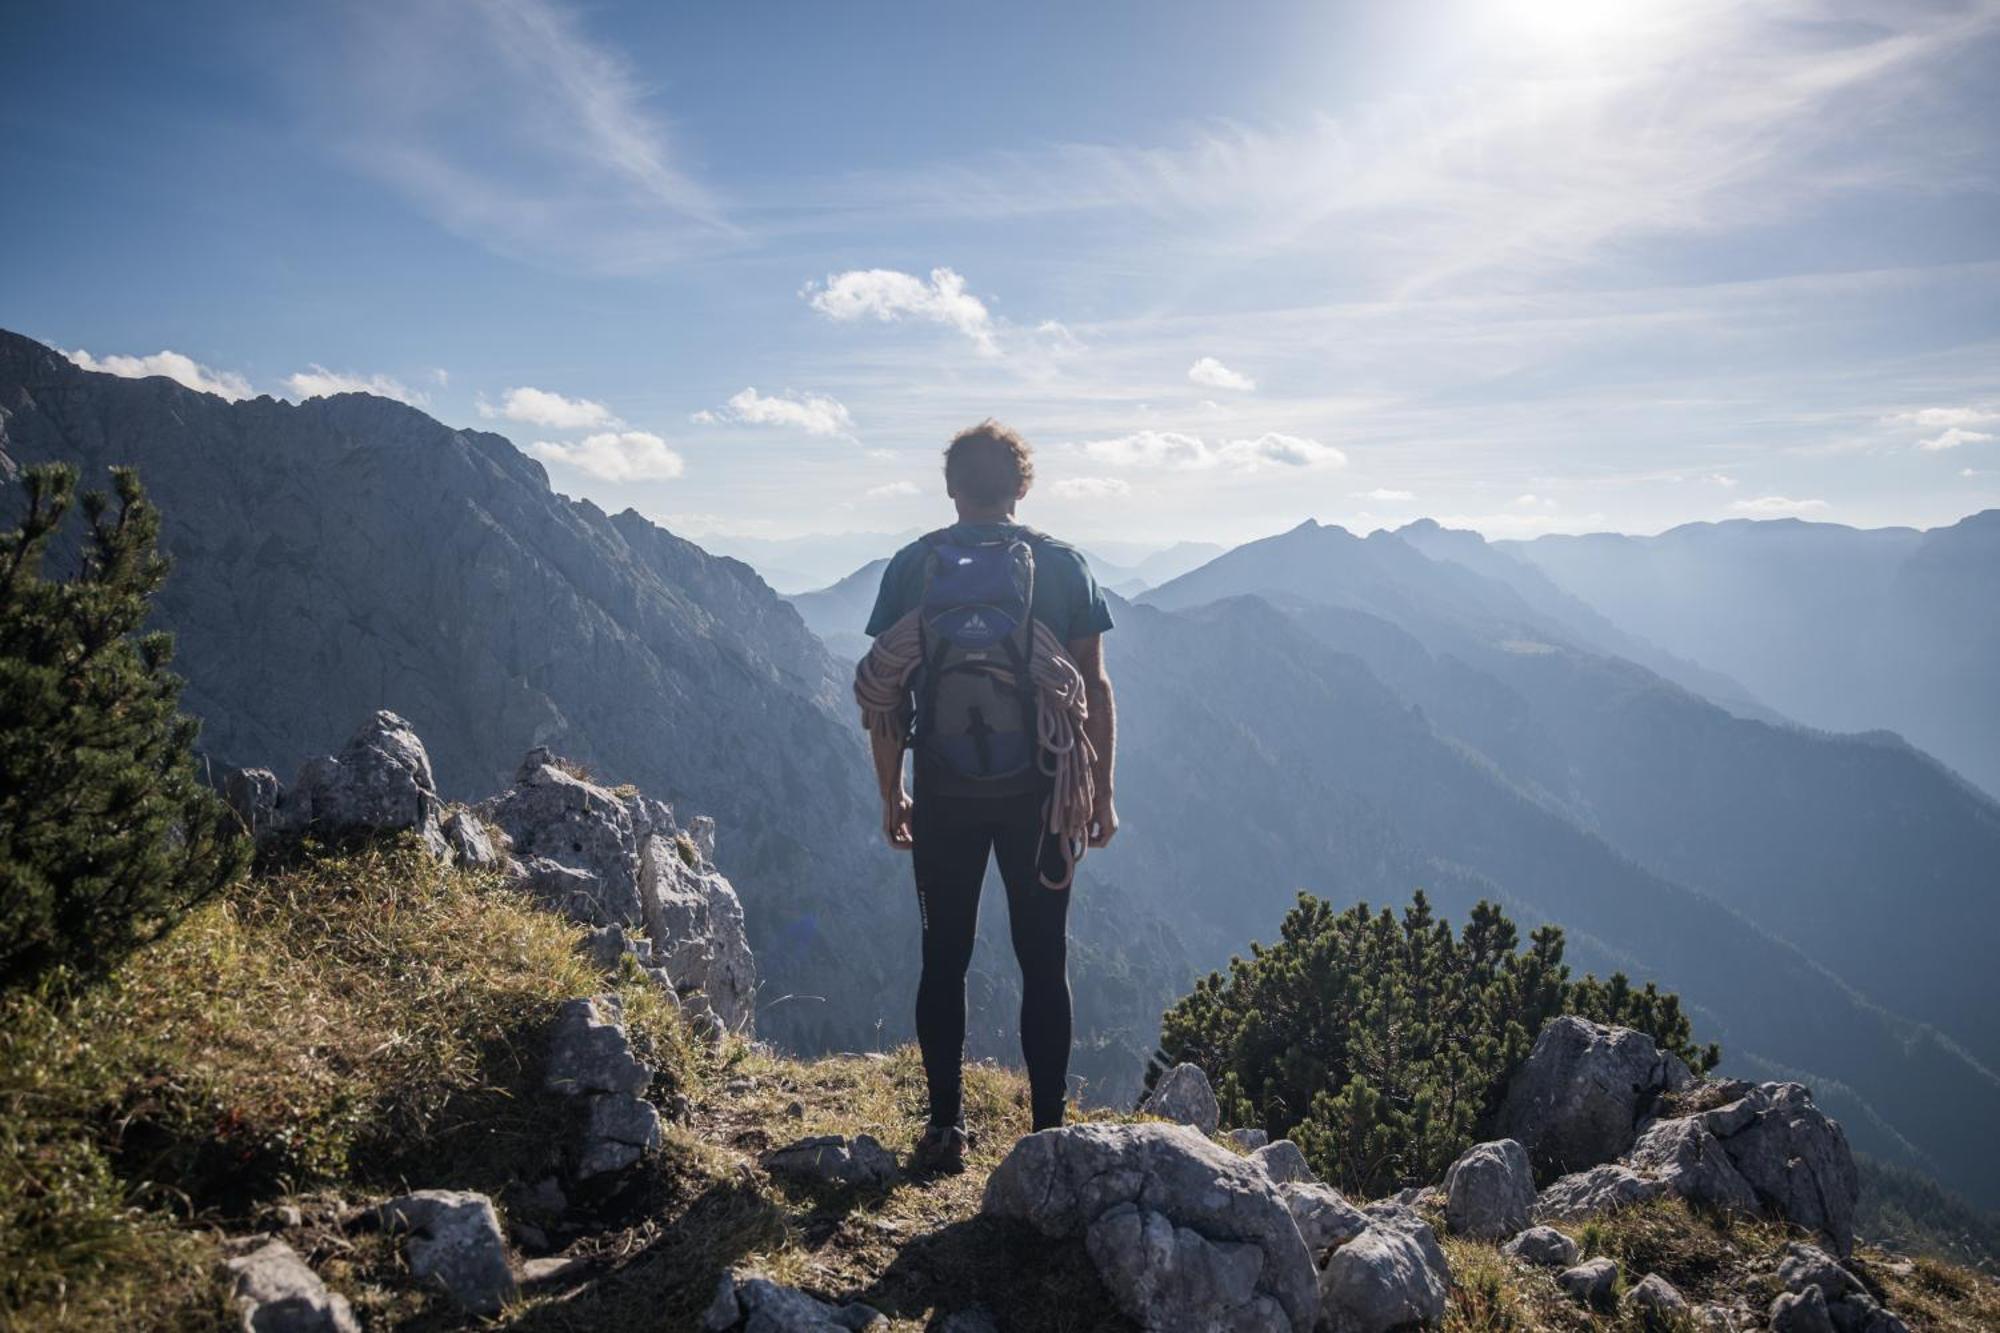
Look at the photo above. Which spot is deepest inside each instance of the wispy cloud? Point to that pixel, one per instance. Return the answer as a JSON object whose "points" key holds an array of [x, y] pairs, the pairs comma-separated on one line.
{"points": [[1385, 493], [1176, 451], [174, 365], [1090, 488], [319, 382], [507, 123], [1952, 437], [815, 414], [632, 455], [893, 490], [1777, 506], [1209, 372], [539, 407], [888, 295]]}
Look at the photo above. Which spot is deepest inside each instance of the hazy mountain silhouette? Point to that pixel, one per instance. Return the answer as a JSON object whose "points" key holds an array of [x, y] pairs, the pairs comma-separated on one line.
{"points": [[1846, 628]]}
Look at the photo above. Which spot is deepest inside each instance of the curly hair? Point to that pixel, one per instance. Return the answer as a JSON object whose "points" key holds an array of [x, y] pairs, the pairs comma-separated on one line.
{"points": [[989, 464]]}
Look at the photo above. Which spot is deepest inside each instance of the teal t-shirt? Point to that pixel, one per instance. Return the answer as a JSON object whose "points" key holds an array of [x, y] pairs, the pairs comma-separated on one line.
{"points": [[1067, 598]]}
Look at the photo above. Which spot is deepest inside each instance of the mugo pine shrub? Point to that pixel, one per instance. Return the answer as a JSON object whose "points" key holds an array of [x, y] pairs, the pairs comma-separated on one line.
{"points": [[106, 836], [1381, 1045]]}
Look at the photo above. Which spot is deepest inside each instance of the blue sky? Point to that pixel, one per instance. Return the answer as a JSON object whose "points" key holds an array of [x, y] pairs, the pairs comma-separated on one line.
{"points": [[1521, 265]]}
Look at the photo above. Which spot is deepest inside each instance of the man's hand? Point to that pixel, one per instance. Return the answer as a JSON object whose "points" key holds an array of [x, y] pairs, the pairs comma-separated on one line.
{"points": [[896, 821], [1103, 820]]}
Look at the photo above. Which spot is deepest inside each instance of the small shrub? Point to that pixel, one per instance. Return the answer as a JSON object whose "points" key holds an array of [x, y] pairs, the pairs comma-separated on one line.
{"points": [[1381, 1044], [106, 836]]}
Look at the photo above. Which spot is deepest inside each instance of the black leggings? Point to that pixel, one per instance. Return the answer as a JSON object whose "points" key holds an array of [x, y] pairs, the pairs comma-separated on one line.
{"points": [[951, 837]]}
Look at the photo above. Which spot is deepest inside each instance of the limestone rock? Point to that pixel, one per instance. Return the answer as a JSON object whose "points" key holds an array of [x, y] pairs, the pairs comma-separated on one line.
{"points": [[1381, 1280], [1576, 1101], [1283, 1162], [274, 1291], [1809, 1266], [1324, 1218], [1543, 1246], [1489, 1190], [754, 1304], [1794, 1157], [1655, 1303], [1249, 1140], [253, 794], [565, 821], [1801, 1312], [589, 1051], [472, 843], [1063, 1181], [454, 1240], [1183, 1096], [1591, 1283], [379, 782], [1690, 1162], [1598, 1190], [830, 1160], [696, 922], [619, 1130]]}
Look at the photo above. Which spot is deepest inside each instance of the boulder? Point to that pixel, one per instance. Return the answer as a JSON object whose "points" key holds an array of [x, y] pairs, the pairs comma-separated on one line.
{"points": [[1381, 1280], [472, 843], [1324, 1218], [1689, 1161], [1809, 1266], [696, 921], [589, 1051], [1794, 1157], [1544, 1247], [1251, 1264], [1591, 1283], [564, 821], [1598, 1190], [1489, 1191], [1655, 1304], [454, 1240], [1183, 1096], [253, 794], [830, 1160], [1577, 1099], [379, 782], [1801, 1312], [619, 1129], [1249, 1140], [754, 1304], [274, 1291], [1283, 1162]]}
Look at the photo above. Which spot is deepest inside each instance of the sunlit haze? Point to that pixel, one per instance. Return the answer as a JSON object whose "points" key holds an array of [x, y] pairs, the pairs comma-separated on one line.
{"points": [[1522, 266]]}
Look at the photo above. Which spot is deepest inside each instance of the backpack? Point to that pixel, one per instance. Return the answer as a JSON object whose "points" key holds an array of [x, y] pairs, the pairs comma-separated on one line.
{"points": [[975, 690]]}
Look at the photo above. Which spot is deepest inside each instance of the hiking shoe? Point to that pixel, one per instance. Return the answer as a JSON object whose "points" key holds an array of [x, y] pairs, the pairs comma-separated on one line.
{"points": [[941, 1151]]}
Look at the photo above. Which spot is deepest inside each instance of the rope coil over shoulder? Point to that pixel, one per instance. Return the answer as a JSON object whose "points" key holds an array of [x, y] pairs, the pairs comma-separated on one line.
{"points": [[1063, 751]]}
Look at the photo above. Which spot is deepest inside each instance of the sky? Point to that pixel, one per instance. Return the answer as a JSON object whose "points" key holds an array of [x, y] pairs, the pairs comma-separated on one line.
{"points": [[1519, 265]]}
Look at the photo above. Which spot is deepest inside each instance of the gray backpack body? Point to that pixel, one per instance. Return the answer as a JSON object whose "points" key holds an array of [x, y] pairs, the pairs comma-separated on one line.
{"points": [[975, 720]]}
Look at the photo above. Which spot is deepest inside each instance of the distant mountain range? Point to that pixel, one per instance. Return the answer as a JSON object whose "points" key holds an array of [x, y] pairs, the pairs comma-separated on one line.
{"points": [[1843, 628], [1353, 716]]}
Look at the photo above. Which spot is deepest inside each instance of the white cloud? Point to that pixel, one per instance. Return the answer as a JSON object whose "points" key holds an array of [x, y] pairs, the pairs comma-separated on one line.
{"points": [[442, 376], [1722, 480], [889, 295], [1057, 338], [1091, 488], [811, 413], [539, 407], [1175, 450], [632, 455], [1385, 493], [1212, 373], [1533, 502], [175, 366], [1952, 437], [1778, 504], [319, 382], [1930, 418], [1971, 472], [890, 490], [506, 123]]}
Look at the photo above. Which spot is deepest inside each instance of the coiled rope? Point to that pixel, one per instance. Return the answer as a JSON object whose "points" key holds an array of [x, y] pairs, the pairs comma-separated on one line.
{"points": [[1063, 751]]}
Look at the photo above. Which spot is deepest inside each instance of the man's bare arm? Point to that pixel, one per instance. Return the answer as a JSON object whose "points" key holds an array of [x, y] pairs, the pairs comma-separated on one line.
{"points": [[1101, 725], [888, 755]]}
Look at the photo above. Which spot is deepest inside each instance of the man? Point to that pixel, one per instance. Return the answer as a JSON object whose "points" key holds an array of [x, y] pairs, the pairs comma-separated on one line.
{"points": [[984, 776]]}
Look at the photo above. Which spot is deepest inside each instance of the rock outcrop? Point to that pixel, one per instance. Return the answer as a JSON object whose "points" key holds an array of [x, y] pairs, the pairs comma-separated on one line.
{"points": [[1282, 1161], [1489, 1191], [453, 1238], [1391, 1276], [1183, 1096], [828, 1160], [1184, 1233], [747, 1303], [1577, 1100], [1544, 1247], [379, 782], [274, 1291]]}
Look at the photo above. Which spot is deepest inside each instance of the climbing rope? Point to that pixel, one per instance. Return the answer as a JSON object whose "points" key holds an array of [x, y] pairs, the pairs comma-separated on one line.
{"points": [[1064, 752]]}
